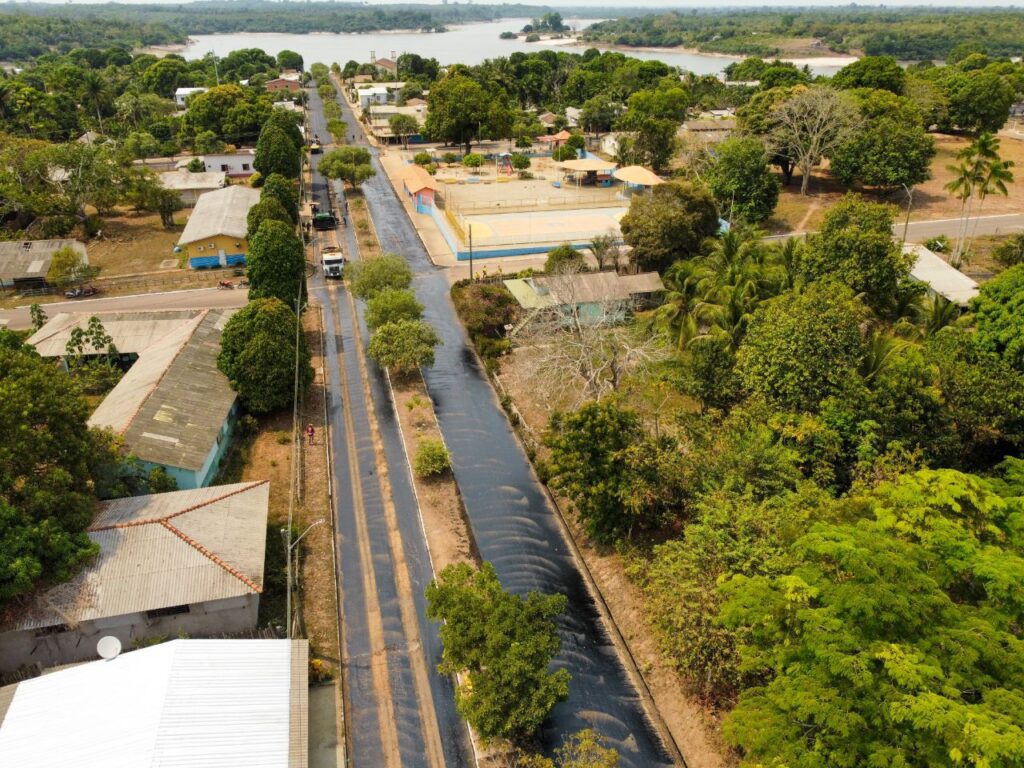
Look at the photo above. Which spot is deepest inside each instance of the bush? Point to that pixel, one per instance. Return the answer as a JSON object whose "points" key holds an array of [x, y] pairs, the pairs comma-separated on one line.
{"points": [[473, 160], [564, 153], [520, 162], [533, 37], [432, 458], [1010, 252], [391, 305], [404, 346], [562, 259], [422, 158], [938, 244], [449, 158]]}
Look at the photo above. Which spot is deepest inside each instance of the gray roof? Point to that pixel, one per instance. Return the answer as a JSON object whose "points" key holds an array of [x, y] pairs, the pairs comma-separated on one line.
{"points": [[31, 258], [182, 180], [581, 288], [160, 551], [170, 405], [940, 276], [220, 212]]}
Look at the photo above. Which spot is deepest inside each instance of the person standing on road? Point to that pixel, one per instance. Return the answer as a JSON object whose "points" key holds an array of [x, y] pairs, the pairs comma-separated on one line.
{"points": [[310, 433]]}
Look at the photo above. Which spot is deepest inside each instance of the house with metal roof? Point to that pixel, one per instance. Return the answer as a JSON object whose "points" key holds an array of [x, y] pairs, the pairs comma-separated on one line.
{"points": [[190, 186], [173, 408], [223, 703], [940, 277], [185, 562], [590, 296], [214, 235], [25, 263]]}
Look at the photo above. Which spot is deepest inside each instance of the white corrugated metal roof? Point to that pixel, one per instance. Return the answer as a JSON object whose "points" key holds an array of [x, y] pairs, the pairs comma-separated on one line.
{"points": [[183, 179], [132, 332], [220, 212], [160, 551], [944, 279], [185, 703]]}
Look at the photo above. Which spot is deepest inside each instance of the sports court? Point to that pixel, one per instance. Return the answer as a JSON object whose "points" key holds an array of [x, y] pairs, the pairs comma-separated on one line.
{"points": [[552, 226]]}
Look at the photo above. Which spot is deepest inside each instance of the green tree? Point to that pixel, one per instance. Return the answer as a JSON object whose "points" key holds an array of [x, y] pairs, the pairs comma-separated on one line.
{"points": [[809, 125], [855, 246], [275, 153], [598, 114], [645, 140], [351, 164], [802, 348], [289, 60], [504, 644], [980, 102], [282, 189], [286, 120], [369, 277], [741, 180], [881, 72], [432, 458], [999, 316], [276, 264], [391, 305], [258, 355], [267, 209], [563, 258], [68, 266], [863, 649], [404, 346], [404, 126], [47, 493], [165, 76], [669, 223], [146, 193], [891, 149], [456, 104], [139, 144], [38, 315]]}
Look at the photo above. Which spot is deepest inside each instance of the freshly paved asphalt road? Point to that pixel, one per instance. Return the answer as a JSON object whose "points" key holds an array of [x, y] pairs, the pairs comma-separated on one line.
{"points": [[514, 526], [200, 298]]}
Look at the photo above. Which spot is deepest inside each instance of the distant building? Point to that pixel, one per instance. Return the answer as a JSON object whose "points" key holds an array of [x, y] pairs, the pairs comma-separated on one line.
{"points": [[380, 119], [190, 186], [420, 186], [547, 119], [387, 66], [161, 164], [572, 116], [711, 129], [288, 106], [375, 94], [184, 562], [593, 294], [182, 94], [214, 235], [173, 408], [415, 102], [25, 263], [940, 277], [610, 144], [283, 84], [224, 703]]}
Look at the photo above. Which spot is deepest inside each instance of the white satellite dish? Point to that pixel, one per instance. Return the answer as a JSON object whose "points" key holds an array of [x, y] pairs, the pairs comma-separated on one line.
{"points": [[108, 647]]}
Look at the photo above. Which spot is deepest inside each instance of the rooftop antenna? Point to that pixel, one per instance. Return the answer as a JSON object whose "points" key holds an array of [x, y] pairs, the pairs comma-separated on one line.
{"points": [[108, 647]]}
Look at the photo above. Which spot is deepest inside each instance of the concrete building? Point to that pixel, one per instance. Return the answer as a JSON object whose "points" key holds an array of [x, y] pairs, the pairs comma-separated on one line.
{"points": [[420, 186], [173, 408], [162, 164], [941, 278], [25, 263], [185, 562], [190, 186], [181, 94], [214, 235], [283, 84], [375, 94], [237, 164], [380, 120], [223, 703], [386, 66], [572, 116]]}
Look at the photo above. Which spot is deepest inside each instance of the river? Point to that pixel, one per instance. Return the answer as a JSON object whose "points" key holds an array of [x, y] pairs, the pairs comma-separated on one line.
{"points": [[467, 44]]}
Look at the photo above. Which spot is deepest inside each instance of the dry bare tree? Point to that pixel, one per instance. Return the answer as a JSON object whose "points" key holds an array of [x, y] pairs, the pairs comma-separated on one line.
{"points": [[585, 344], [810, 126]]}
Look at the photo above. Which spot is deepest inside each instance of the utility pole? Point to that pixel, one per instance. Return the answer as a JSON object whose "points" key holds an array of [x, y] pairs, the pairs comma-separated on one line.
{"points": [[470, 252]]}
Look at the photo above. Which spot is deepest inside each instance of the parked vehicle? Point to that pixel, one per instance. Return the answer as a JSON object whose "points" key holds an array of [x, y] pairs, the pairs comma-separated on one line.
{"points": [[80, 291], [324, 220], [225, 285]]}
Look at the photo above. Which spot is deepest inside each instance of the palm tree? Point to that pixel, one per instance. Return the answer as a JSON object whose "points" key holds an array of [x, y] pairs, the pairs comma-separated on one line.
{"points": [[880, 349], [725, 314], [965, 177], [980, 172], [938, 312], [676, 317], [94, 92]]}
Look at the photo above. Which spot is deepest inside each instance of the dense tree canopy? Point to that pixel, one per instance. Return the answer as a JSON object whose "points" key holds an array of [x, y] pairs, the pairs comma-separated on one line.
{"points": [[277, 264], [999, 315], [277, 153], [503, 643], [741, 180], [258, 355], [669, 223]]}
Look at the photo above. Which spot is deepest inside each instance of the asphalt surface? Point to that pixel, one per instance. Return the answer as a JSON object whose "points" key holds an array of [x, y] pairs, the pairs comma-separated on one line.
{"points": [[514, 526], [343, 364], [199, 298], [919, 231]]}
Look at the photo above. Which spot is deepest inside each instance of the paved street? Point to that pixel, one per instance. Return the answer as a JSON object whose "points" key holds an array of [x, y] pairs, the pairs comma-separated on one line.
{"points": [[919, 231], [200, 298]]}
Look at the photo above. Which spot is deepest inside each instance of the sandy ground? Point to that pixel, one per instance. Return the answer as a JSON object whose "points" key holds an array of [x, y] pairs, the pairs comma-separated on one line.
{"points": [[132, 243], [444, 521]]}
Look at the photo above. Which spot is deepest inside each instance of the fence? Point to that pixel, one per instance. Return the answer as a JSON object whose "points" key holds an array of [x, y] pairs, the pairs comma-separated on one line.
{"points": [[607, 199]]}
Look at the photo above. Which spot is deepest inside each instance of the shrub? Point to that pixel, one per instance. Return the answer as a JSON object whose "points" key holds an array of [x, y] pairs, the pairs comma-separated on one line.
{"points": [[372, 276], [422, 158], [449, 158], [564, 153], [1010, 252], [473, 160], [938, 244], [520, 162], [432, 458], [391, 305]]}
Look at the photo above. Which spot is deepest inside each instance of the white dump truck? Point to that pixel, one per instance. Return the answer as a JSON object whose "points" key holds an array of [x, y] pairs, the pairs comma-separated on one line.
{"points": [[333, 261]]}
